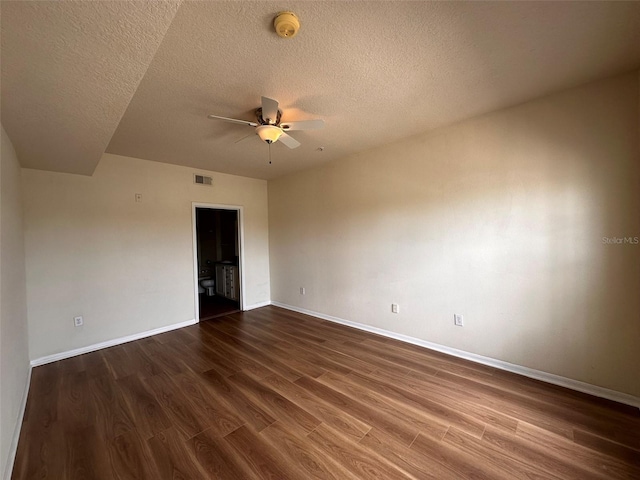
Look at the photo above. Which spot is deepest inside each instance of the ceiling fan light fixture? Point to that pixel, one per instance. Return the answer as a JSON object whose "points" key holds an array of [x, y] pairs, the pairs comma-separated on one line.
{"points": [[269, 133], [286, 24]]}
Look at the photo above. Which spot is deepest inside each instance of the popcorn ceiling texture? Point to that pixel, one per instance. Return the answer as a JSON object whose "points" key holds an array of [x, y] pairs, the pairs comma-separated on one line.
{"points": [[376, 72], [69, 70]]}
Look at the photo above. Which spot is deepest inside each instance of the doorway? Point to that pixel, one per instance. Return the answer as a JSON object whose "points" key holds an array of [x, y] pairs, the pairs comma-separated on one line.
{"points": [[217, 260]]}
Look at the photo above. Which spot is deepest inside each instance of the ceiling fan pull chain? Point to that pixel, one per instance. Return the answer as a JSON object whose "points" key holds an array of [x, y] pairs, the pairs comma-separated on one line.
{"points": [[269, 153]]}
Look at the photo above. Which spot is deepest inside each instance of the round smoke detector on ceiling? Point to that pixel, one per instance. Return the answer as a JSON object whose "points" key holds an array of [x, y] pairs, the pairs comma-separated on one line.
{"points": [[286, 24]]}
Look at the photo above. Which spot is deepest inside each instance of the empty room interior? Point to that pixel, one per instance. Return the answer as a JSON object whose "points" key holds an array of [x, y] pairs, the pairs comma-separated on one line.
{"points": [[320, 239]]}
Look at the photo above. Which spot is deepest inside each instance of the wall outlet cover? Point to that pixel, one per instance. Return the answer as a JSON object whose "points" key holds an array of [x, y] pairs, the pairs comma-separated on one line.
{"points": [[78, 321], [458, 320]]}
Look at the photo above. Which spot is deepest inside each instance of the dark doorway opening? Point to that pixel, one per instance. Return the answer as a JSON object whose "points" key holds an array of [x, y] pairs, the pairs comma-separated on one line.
{"points": [[217, 238]]}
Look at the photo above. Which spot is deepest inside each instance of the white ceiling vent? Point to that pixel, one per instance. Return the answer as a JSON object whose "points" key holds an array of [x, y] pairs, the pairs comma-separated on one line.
{"points": [[202, 180]]}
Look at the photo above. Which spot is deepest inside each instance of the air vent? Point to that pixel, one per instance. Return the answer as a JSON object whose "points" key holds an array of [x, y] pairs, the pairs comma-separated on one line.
{"points": [[202, 180]]}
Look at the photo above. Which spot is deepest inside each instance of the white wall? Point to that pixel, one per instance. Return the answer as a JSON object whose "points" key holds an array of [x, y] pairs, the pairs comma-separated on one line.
{"points": [[499, 218], [14, 353], [127, 267]]}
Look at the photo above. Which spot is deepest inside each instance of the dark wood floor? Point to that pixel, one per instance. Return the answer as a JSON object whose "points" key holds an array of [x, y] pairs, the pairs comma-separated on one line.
{"points": [[274, 394]]}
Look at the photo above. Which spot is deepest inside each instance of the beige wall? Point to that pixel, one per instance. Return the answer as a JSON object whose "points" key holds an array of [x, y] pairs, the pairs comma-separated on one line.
{"points": [[127, 267], [14, 353], [500, 218]]}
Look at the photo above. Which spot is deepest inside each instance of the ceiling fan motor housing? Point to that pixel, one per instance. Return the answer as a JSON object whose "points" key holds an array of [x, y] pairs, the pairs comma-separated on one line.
{"points": [[263, 121], [286, 24]]}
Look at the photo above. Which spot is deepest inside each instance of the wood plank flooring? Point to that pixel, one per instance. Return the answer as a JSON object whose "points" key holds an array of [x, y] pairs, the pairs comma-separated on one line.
{"points": [[278, 395]]}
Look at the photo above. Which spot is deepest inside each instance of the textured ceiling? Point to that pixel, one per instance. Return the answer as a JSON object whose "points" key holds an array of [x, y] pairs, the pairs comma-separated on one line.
{"points": [[374, 71], [69, 70]]}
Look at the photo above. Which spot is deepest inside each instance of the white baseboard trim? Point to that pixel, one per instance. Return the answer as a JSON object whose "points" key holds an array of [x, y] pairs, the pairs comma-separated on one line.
{"points": [[13, 449], [491, 362], [109, 343], [257, 305]]}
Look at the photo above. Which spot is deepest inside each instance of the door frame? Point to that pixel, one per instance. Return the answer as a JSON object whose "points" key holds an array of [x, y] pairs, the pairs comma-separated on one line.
{"points": [[217, 206]]}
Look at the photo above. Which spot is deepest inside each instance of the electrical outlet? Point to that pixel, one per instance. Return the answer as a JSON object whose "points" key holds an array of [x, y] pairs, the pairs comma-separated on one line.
{"points": [[138, 197], [78, 321], [303, 291], [458, 320], [394, 308]]}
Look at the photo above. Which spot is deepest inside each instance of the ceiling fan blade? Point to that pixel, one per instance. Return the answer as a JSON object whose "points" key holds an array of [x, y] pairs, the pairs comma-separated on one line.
{"points": [[233, 120], [269, 110], [303, 125], [289, 141]]}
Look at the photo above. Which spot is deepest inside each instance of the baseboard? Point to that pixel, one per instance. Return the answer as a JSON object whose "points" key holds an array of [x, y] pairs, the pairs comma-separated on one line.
{"points": [[491, 362], [13, 449], [257, 305], [109, 343]]}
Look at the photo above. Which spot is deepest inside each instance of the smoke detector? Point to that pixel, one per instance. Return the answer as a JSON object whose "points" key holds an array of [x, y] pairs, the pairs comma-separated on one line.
{"points": [[286, 24]]}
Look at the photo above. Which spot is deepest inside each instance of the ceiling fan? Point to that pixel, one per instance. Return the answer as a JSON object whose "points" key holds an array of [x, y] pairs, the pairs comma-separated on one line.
{"points": [[269, 127]]}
